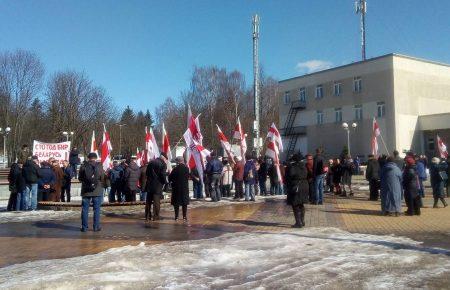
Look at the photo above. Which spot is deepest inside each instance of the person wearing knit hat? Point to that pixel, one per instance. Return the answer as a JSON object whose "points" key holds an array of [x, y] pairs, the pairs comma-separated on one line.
{"points": [[410, 186]]}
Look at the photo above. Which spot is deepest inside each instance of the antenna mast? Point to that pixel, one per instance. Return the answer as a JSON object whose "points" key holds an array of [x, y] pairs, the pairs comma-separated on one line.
{"points": [[361, 8], [256, 82]]}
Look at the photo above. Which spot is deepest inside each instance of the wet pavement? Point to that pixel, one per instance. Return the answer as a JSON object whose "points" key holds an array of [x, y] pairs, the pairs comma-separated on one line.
{"points": [[27, 241]]}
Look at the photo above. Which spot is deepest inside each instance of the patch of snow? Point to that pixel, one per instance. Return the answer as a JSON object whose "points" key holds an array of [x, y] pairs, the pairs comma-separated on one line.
{"points": [[320, 258], [38, 215]]}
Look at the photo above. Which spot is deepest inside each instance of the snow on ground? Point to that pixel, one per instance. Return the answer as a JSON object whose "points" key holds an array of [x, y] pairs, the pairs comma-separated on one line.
{"points": [[321, 258], [38, 215]]}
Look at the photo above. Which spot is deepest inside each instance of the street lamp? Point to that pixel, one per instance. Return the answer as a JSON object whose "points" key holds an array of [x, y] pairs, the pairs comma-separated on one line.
{"points": [[5, 134], [346, 128], [67, 134]]}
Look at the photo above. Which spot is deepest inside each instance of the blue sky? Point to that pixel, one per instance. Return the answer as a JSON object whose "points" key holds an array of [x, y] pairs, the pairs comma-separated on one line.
{"points": [[144, 51]]}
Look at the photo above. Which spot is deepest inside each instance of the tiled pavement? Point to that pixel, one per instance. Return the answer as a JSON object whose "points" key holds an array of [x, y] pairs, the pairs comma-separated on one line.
{"points": [[59, 239]]}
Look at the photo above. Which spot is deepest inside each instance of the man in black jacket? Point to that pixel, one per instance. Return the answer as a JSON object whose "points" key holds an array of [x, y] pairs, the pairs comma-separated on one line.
{"points": [[131, 176], [373, 176], [156, 180], [74, 160], [31, 174]]}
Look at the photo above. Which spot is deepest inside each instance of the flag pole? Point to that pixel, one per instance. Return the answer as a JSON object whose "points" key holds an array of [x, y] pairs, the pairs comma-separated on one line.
{"points": [[384, 143]]}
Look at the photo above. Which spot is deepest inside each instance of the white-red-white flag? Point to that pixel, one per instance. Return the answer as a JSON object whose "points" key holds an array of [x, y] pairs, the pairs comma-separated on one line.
{"points": [[106, 151], [375, 133], [197, 153], [274, 134], [442, 147], [138, 157], [225, 144], [93, 144], [272, 151], [166, 147], [240, 135], [151, 145]]}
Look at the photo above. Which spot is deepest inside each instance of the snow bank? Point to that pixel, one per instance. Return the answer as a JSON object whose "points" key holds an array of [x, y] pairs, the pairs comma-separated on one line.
{"points": [[39, 215], [320, 258]]}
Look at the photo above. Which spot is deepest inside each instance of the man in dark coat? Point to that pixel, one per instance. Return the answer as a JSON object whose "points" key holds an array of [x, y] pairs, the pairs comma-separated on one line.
{"points": [[132, 175], [143, 182], [31, 175], [46, 181], [262, 176], [116, 179], [12, 175], [214, 172], [373, 176], [179, 178], [19, 186], [74, 160], [91, 176], [156, 180], [411, 187], [23, 155], [297, 189], [438, 179], [67, 181]]}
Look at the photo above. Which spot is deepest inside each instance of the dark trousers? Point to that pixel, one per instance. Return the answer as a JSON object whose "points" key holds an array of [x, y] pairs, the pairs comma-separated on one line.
{"points": [[299, 214], [239, 193], [177, 211], [413, 204], [74, 170], [130, 196], [262, 186], [311, 192], [154, 199], [374, 188], [65, 191], [12, 201], [214, 189], [226, 190]]}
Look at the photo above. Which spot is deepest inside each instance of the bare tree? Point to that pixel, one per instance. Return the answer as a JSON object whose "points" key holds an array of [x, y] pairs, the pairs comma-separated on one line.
{"points": [[21, 76]]}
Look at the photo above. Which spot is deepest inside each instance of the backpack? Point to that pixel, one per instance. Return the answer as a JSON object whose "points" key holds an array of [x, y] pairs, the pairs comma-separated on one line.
{"points": [[90, 177]]}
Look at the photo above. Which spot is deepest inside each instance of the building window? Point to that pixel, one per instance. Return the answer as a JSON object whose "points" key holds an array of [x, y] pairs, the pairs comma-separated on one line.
{"points": [[430, 144], [381, 110], [358, 112], [337, 89], [287, 98], [338, 115], [319, 117], [319, 92], [357, 84], [303, 95]]}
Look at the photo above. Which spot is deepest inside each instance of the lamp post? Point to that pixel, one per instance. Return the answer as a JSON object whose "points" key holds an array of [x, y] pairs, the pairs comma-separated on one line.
{"points": [[67, 134], [5, 134], [346, 128], [120, 137]]}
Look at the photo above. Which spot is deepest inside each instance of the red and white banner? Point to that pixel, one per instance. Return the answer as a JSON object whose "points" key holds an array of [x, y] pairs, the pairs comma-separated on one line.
{"points": [[151, 145], [442, 147], [166, 147], [196, 152], [225, 144], [273, 152], [44, 151], [274, 134], [240, 135], [138, 157], [375, 133], [106, 151], [93, 148]]}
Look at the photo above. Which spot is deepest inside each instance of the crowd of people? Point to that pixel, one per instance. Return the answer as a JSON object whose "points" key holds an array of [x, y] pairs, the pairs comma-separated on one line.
{"points": [[303, 178]]}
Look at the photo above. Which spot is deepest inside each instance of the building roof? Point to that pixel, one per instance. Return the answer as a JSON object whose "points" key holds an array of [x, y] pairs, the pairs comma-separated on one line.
{"points": [[366, 61]]}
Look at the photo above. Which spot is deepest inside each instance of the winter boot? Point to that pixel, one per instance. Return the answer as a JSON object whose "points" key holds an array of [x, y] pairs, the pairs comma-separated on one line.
{"points": [[444, 202], [435, 203], [302, 216], [297, 216]]}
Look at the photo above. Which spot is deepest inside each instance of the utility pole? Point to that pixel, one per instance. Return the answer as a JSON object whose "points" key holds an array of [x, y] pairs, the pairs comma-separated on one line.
{"points": [[361, 8], [255, 23]]}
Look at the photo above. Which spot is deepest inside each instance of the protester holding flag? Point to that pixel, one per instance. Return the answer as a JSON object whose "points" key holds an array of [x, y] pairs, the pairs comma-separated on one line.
{"points": [[156, 180], [214, 170]]}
